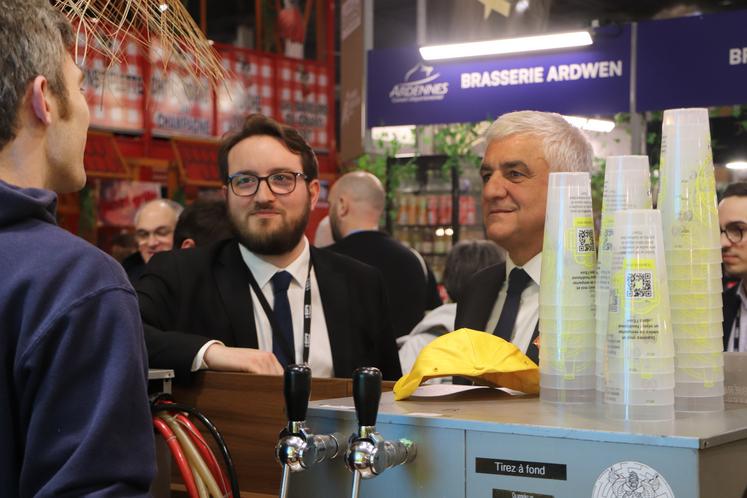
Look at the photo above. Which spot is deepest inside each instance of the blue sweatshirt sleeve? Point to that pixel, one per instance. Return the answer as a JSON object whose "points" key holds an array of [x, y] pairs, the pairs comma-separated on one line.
{"points": [[82, 388]]}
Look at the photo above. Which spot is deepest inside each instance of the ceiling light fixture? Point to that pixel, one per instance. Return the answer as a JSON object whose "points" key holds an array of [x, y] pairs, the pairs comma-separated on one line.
{"points": [[163, 7], [737, 165], [590, 124], [506, 46]]}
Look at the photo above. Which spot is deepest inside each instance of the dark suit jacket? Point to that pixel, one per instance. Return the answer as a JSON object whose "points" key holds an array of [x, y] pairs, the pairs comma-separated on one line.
{"points": [[477, 301], [408, 292], [189, 296], [731, 306]]}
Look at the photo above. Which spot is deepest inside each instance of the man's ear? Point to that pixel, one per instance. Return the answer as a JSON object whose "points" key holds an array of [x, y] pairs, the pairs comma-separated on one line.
{"points": [[39, 102], [314, 188], [224, 188], [188, 244]]}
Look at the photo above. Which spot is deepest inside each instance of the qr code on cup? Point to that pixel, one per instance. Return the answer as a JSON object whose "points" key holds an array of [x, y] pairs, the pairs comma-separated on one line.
{"points": [[584, 240], [638, 285]]}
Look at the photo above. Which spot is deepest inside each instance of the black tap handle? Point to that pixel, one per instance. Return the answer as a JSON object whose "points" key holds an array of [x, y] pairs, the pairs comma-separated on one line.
{"points": [[366, 394], [297, 389]]}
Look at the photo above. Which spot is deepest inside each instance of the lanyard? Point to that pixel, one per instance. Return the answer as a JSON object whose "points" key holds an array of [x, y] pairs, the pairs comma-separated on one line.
{"points": [[737, 328], [276, 335]]}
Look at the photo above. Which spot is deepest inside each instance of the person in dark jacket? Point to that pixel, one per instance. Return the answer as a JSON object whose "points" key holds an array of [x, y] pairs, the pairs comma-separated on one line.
{"points": [[356, 204], [732, 215], [265, 299], [74, 414]]}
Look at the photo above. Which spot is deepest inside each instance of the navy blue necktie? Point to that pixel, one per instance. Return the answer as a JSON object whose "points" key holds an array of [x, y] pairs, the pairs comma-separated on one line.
{"points": [[283, 346], [517, 282]]}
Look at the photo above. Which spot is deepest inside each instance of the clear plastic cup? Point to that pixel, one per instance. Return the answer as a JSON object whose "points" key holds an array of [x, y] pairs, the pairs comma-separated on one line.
{"points": [[639, 323], [560, 382], [566, 312], [709, 255], [698, 330], [698, 271], [697, 315], [551, 325], [686, 286], [568, 396], [646, 413], [639, 381], [687, 189], [699, 389], [577, 354], [705, 375], [705, 300], [567, 367], [561, 341], [698, 345], [642, 396], [644, 366], [568, 248], [699, 404], [699, 360]]}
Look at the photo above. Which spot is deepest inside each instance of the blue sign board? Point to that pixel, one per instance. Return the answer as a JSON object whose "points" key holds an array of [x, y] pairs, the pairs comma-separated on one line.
{"points": [[692, 61], [404, 89]]}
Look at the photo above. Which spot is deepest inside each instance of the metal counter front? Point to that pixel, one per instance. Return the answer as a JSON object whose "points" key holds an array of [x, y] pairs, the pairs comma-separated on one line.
{"points": [[485, 443]]}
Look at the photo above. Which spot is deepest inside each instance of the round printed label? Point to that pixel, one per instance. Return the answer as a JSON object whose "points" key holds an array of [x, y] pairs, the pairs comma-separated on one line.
{"points": [[631, 480]]}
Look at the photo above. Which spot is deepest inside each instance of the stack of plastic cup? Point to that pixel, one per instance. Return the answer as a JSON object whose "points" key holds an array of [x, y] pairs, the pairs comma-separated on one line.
{"points": [[567, 351], [687, 200], [627, 185], [640, 376]]}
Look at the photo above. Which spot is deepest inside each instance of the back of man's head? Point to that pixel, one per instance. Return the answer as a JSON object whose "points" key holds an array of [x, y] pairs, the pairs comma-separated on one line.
{"points": [[357, 200], [202, 223], [466, 258], [565, 148], [34, 37]]}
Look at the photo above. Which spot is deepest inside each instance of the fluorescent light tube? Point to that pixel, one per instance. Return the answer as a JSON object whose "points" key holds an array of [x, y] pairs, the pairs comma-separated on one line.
{"points": [[506, 46], [737, 165]]}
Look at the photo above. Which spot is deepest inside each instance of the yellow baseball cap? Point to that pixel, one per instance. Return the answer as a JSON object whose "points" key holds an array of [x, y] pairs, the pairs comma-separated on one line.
{"points": [[471, 353]]}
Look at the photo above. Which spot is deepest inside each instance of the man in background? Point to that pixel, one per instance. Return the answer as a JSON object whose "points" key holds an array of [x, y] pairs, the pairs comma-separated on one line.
{"points": [[265, 298], [732, 216], [74, 414], [155, 222], [356, 204], [522, 149], [202, 223]]}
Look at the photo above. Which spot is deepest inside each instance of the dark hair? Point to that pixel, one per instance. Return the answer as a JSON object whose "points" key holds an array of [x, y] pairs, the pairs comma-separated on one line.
{"points": [[464, 260], [259, 124], [738, 189], [34, 37], [204, 222]]}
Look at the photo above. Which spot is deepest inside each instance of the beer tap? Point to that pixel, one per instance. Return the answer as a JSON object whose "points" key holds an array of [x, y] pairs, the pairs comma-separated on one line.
{"points": [[297, 448], [368, 454]]}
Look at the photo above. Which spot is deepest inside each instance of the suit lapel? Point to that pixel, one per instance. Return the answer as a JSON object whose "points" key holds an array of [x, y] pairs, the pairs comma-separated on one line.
{"points": [[333, 290], [232, 280], [485, 301]]}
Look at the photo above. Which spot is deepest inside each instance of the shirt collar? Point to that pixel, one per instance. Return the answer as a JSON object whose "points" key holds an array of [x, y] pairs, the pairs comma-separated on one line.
{"points": [[533, 267], [263, 271]]}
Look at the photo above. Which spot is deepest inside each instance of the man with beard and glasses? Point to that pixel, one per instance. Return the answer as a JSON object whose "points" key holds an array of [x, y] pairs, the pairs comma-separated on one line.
{"points": [[238, 304]]}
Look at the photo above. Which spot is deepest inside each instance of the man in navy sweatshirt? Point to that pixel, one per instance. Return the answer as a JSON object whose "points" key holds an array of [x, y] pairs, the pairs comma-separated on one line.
{"points": [[74, 417]]}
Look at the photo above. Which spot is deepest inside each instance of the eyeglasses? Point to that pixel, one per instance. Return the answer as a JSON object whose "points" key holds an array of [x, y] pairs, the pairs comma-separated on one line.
{"points": [[281, 183], [734, 232], [142, 236]]}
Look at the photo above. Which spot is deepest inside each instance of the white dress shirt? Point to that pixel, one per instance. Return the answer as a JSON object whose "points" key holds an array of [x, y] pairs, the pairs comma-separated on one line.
{"points": [[742, 314], [320, 352], [526, 319]]}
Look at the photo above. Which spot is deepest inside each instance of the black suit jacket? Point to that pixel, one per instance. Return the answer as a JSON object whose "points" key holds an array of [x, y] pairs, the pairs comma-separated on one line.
{"points": [[731, 306], [408, 291], [189, 296], [477, 301]]}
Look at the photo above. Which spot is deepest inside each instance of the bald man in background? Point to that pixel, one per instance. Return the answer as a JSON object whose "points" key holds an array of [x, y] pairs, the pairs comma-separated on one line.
{"points": [[155, 222], [356, 204]]}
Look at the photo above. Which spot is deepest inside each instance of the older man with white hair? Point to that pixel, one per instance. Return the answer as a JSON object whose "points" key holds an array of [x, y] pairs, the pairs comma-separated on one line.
{"points": [[523, 148], [155, 222]]}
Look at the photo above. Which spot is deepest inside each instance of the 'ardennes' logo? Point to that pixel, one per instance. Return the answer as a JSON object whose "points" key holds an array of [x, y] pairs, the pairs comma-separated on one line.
{"points": [[418, 86]]}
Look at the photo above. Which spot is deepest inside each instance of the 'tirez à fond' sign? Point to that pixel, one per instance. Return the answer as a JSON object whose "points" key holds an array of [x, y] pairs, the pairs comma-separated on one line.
{"points": [[403, 89], [516, 468]]}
